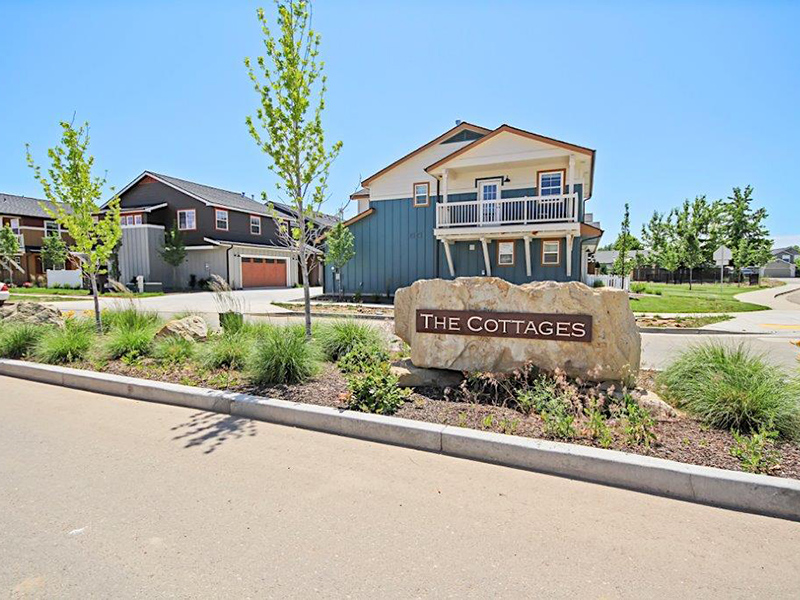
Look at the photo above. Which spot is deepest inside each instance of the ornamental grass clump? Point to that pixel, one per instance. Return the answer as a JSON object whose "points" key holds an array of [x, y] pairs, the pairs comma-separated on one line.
{"points": [[174, 350], [128, 342], [18, 340], [66, 344], [340, 337], [732, 388], [282, 356], [129, 318], [226, 350]]}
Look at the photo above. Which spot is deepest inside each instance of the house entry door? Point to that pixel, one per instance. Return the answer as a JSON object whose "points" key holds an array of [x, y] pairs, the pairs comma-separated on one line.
{"points": [[489, 197]]}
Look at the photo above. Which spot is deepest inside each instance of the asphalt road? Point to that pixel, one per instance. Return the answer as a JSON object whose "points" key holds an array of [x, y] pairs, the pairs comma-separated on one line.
{"points": [[105, 497]]}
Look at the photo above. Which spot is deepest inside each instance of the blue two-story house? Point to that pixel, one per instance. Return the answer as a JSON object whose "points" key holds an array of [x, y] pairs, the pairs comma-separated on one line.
{"points": [[473, 202]]}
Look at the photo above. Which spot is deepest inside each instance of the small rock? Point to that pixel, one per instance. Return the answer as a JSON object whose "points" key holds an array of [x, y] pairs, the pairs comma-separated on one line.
{"points": [[653, 402], [410, 376], [189, 328], [32, 313]]}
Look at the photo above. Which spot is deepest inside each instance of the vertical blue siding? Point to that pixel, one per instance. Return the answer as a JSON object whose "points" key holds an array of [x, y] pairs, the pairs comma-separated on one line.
{"points": [[395, 246]]}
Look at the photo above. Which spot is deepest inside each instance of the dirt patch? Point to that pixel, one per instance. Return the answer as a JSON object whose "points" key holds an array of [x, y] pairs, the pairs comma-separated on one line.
{"points": [[681, 438]]}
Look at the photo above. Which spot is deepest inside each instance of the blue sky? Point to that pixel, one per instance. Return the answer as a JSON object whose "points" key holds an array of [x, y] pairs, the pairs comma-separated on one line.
{"points": [[679, 99]]}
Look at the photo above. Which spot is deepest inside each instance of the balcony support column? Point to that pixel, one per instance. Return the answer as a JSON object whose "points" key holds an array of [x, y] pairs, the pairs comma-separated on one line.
{"points": [[486, 257], [444, 185], [571, 174], [449, 257], [568, 254], [528, 270]]}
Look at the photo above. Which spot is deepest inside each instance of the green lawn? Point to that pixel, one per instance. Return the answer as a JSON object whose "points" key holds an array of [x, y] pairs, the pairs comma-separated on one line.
{"points": [[43, 291], [702, 298]]}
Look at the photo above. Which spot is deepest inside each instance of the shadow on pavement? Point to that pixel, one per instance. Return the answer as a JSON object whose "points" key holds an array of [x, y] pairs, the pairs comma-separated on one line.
{"points": [[209, 431]]}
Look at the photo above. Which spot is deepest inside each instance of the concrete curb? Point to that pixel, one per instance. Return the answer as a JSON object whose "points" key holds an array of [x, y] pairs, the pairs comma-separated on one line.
{"points": [[759, 494]]}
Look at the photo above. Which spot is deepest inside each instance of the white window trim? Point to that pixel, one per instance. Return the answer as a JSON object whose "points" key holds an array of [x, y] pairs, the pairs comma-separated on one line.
{"points": [[186, 211], [427, 202], [513, 252], [255, 219], [557, 253], [553, 172], [217, 213], [56, 223]]}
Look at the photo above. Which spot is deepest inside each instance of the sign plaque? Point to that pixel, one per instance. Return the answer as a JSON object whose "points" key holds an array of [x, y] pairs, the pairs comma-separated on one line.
{"points": [[532, 326]]}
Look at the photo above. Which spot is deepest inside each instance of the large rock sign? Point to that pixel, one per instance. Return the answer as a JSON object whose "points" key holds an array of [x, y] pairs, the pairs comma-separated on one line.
{"points": [[488, 324]]}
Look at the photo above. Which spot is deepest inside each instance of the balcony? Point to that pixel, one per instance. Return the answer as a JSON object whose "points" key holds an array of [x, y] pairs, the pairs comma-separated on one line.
{"points": [[527, 210], [21, 242]]}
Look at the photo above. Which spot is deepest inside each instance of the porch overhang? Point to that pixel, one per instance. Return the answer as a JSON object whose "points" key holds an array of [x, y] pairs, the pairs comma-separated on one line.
{"points": [[504, 232]]}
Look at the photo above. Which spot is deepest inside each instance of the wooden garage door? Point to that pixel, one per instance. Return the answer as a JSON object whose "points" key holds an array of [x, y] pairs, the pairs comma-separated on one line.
{"points": [[263, 272]]}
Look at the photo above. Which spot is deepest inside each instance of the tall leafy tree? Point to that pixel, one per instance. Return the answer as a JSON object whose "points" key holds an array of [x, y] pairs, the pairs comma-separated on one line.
{"points": [[694, 237], [173, 252], [54, 252], [9, 248], [340, 249], [291, 86], [75, 194], [654, 237], [624, 263], [745, 232]]}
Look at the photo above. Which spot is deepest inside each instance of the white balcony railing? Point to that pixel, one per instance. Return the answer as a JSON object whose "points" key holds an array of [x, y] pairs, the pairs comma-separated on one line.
{"points": [[508, 211]]}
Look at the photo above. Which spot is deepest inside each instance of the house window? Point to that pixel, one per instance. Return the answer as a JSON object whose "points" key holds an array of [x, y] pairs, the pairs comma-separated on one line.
{"points": [[221, 219], [422, 194], [255, 225], [51, 228], [14, 224], [551, 183], [187, 220], [137, 219], [505, 254], [551, 252]]}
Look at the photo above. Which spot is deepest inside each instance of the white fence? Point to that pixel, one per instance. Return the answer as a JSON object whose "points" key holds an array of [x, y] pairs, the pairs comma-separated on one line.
{"points": [[612, 281], [64, 277]]}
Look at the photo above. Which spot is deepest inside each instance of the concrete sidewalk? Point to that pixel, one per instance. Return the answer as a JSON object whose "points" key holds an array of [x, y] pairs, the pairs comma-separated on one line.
{"points": [[103, 497], [783, 318]]}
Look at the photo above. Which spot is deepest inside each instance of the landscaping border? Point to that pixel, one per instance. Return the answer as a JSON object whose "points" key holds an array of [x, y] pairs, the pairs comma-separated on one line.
{"points": [[759, 494]]}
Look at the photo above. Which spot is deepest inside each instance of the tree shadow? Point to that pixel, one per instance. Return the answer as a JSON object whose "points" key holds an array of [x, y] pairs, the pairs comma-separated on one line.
{"points": [[209, 431]]}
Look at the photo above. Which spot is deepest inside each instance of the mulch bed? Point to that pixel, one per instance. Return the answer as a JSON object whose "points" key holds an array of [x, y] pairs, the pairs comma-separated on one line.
{"points": [[682, 439]]}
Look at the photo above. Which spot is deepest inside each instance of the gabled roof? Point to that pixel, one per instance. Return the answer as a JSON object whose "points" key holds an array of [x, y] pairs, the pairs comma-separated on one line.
{"points": [[23, 206], [213, 196], [786, 250], [442, 138], [528, 134]]}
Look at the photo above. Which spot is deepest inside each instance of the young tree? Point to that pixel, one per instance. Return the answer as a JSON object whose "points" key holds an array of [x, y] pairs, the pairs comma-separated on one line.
{"points": [[624, 263], [173, 252], [340, 249], [54, 252], [693, 231], [288, 124], [9, 248], [75, 194], [744, 230]]}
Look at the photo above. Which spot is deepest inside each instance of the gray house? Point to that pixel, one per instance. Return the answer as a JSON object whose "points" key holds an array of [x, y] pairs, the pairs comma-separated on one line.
{"points": [[474, 201], [226, 233]]}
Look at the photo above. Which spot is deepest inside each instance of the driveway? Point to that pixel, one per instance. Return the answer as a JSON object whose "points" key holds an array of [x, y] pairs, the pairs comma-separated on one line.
{"points": [[256, 301], [103, 497]]}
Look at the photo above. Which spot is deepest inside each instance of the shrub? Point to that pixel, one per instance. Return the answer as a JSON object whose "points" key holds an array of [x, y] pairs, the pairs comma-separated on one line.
{"points": [[231, 322], [128, 342], [129, 318], [756, 453], [376, 391], [174, 350], [598, 425], [732, 388], [67, 344], [282, 355], [226, 350], [17, 340], [638, 287], [637, 423], [362, 357], [340, 337], [598, 283]]}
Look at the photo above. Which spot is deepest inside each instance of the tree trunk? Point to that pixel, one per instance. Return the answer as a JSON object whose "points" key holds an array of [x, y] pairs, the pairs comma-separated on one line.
{"points": [[97, 318], [306, 293], [690, 278]]}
